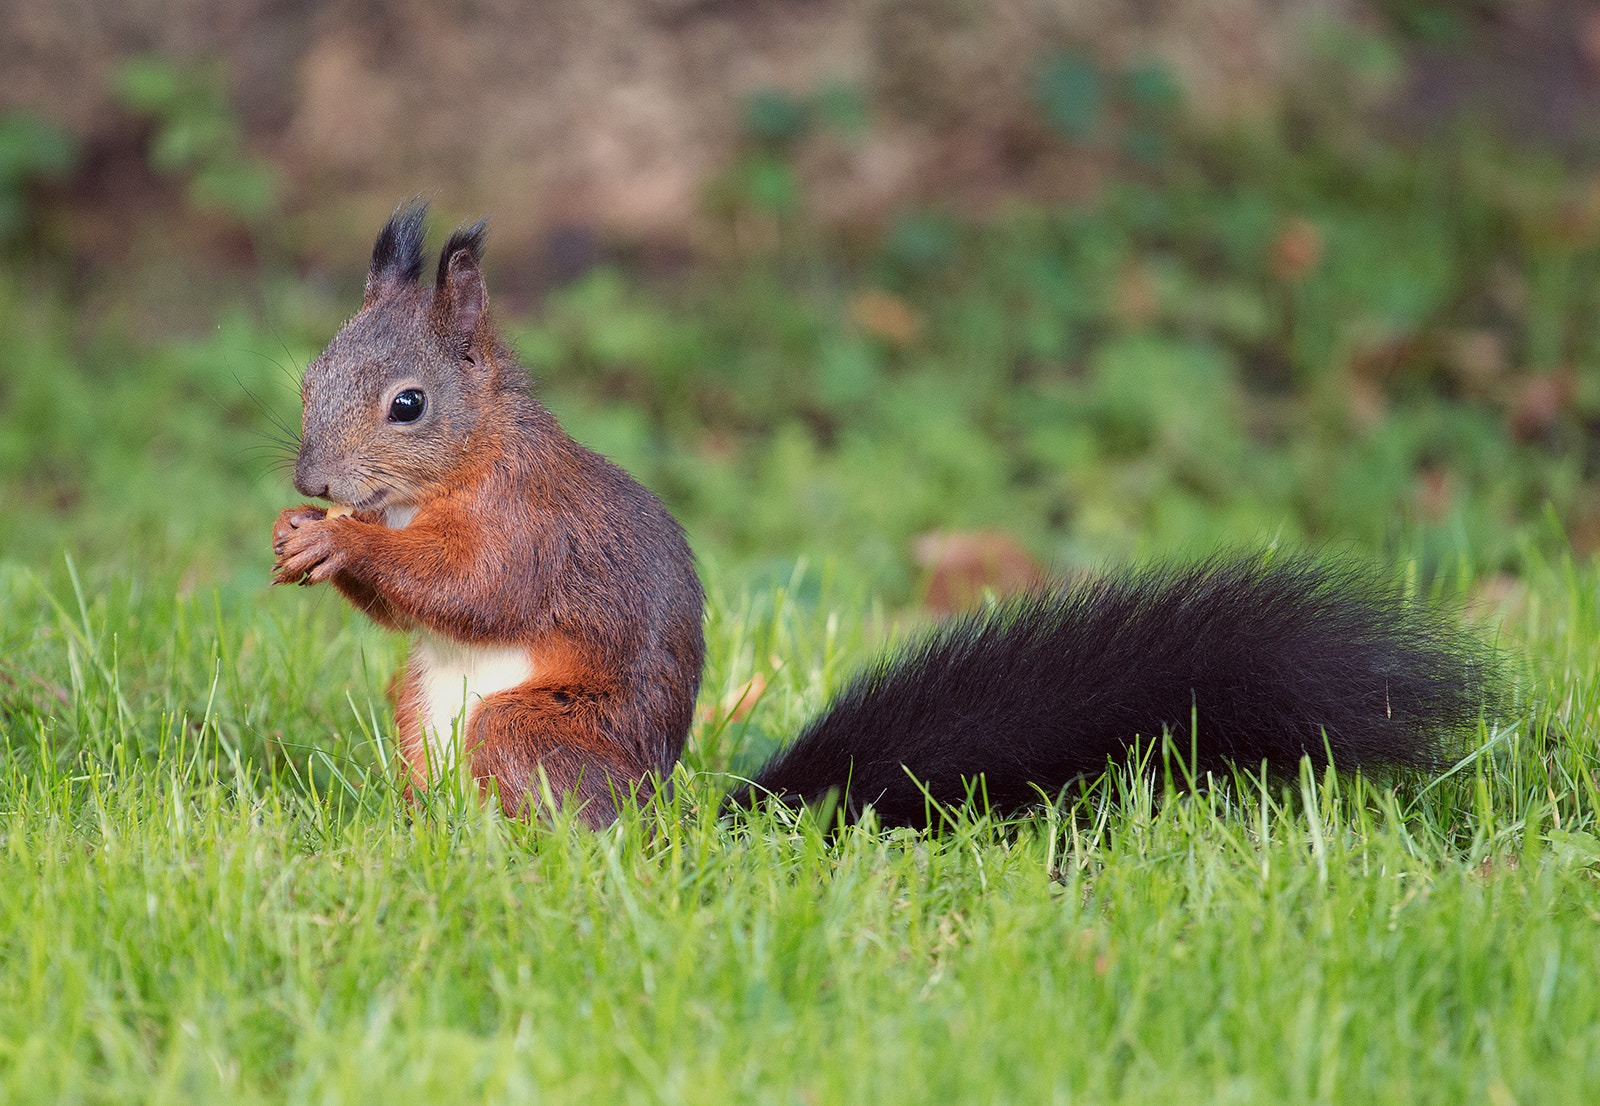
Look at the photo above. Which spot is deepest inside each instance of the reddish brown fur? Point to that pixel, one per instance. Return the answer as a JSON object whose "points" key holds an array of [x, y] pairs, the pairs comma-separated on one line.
{"points": [[521, 538]]}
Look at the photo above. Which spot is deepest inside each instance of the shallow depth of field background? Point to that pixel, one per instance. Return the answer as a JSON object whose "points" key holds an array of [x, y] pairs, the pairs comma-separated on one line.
{"points": [[897, 304], [1086, 280]]}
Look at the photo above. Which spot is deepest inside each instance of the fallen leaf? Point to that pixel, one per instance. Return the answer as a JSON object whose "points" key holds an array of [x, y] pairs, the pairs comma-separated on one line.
{"points": [[738, 703], [1297, 249], [1476, 359], [1134, 299], [1366, 401], [1539, 403], [885, 315], [962, 565]]}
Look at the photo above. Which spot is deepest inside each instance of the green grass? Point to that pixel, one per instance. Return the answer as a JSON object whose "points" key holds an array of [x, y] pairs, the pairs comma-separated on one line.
{"points": [[214, 892]]}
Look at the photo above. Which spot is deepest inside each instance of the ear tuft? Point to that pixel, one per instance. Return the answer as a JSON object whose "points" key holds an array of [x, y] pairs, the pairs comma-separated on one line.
{"points": [[397, 254], [470, 239]]}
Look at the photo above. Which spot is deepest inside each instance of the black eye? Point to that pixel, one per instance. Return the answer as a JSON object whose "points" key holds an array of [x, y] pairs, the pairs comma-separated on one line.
{"points": [[407, 406]]}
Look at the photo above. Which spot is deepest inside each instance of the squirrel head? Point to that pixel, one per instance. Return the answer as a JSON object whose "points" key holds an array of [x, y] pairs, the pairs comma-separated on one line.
{"points": [[392, 408]]}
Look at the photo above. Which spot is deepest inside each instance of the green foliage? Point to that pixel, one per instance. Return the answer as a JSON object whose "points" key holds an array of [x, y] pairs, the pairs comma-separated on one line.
{"points": [[1152, 89], [132, 455], [763, 179], [32, 150], [198, 136], [1263, 344], [1437, 24], [920, 243], [1268, 349], [841, 107], [774, 117], [1087, 104], [1072, 95]]}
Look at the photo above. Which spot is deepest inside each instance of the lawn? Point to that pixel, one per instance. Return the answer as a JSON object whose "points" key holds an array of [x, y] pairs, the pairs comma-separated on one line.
{"points": [[216, 893]]}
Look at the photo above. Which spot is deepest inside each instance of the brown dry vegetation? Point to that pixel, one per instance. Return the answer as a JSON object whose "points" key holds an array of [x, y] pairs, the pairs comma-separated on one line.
{"points": [[614, 114]]}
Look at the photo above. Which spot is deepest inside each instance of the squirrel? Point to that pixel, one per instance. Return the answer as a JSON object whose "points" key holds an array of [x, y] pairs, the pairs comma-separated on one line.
{"points": [[556, 614]]}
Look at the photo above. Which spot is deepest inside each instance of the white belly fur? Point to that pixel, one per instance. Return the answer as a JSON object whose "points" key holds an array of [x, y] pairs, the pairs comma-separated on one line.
{"points": [[452, 679], [399, 517]]}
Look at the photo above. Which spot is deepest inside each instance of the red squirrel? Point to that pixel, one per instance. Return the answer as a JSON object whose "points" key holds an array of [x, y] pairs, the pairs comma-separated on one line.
{"points": [[556, 614], [553, 601]]}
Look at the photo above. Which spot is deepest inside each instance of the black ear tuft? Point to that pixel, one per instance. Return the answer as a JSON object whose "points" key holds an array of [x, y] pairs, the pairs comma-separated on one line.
{"points": [[464, 238], [397, 254]]}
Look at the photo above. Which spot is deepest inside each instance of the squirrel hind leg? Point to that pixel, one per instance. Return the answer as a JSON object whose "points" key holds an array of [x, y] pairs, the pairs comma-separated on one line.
{"points": [[536, 745]]}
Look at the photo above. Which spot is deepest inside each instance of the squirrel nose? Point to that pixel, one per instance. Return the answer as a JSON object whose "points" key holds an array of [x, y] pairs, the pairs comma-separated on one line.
{"points": [[310, 484]]}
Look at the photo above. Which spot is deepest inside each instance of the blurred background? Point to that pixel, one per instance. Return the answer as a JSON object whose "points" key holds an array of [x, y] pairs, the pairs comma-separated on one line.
{"points": [[939, 293]]}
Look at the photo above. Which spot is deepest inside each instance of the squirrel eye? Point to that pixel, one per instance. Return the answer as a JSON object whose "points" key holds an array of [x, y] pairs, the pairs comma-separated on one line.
{"points": [[407, 406]]}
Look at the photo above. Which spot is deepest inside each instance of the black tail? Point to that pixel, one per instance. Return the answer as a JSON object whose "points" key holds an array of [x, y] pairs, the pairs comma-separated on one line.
{"points": [[1276, 659]]}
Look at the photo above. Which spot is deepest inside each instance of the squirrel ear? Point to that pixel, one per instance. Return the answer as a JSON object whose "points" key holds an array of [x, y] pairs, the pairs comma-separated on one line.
{"points": [[459, 295], [397, 254]]}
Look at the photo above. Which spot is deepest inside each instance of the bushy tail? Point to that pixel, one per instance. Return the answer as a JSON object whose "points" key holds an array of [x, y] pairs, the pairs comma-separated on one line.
{"points": [[1277, 660]]}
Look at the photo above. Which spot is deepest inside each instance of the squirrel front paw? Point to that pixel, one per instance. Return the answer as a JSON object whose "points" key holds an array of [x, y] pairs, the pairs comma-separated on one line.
{"points": [[291, 517], [305, 546]]}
